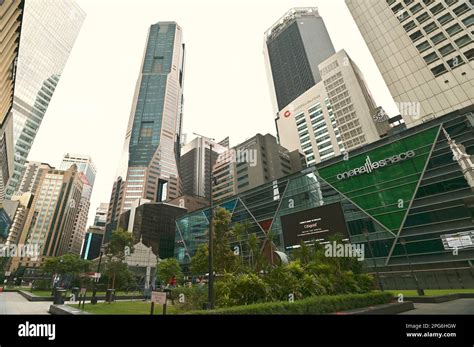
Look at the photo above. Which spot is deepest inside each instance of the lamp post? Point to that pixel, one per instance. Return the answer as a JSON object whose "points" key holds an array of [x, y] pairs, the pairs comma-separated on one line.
{"points": [[419, 290], [94, 293], [366, 234], [210, 283]]}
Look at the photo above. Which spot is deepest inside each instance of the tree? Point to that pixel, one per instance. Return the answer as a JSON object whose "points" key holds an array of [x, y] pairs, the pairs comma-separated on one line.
{"points": [[224, 257], [67, 264], [200, 261], [121, 242], [168, 269]]}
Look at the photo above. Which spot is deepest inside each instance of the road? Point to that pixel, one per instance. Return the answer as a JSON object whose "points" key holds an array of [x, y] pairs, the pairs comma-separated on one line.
{"points": [[14, 303], [459, 306]]}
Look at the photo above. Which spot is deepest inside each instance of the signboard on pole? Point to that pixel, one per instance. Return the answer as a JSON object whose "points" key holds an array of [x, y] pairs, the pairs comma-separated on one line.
{"points": [[158, 298]]}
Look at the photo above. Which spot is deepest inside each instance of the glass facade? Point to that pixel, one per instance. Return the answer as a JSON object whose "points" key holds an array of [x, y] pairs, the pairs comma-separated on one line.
{"points": [[152, 142], [49, 31], [417, 197], [296, 45]]}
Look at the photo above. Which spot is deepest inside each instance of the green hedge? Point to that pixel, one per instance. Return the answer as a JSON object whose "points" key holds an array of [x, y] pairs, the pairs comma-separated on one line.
{"points": [[312, 305]]}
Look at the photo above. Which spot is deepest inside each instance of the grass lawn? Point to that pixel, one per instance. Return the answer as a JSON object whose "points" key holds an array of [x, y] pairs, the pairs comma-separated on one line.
{"points": [[126, 307], [430, 292]]}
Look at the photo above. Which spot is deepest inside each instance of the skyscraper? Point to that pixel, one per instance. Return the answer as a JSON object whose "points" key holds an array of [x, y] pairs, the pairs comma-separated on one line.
{"points": [[10, 28], [294, 47], [424, 50], [87, 173], [254, 162], [49, 31], [336, 115], [152, 143], [194, 164], [51, 219]]}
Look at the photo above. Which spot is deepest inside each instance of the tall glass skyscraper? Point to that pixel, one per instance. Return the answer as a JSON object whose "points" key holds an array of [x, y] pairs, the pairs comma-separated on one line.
{"points": [[151, 151], [294, 47], [49, 30]]}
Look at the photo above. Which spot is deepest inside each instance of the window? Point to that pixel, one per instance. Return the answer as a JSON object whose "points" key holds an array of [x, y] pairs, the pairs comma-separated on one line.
{"points": [[423, 46], [468, 20], [438, 70], [397, 8], [390, 2], [463, 40], [450, 2], [461, 9], [428, 2], [446, 49], [438, 38], [431, 57], [408, 2], [445, 18], [410, 25], [455, 62], [469, 54], [453, 30], [157, 64], [416, 8], [416, 35], [437, 8], [430, 27], [423, 17]]}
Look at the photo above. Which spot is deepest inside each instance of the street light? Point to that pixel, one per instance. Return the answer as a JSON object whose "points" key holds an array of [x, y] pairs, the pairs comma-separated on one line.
{"points": [[210, 283], [94, 293], [419, 290], [366, 234]]}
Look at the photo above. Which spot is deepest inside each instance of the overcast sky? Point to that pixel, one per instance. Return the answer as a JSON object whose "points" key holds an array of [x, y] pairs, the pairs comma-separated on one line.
{"points": [[226, 91]]}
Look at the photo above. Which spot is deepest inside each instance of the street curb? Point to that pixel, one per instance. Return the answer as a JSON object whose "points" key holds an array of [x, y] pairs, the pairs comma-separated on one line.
{"points": [[66, 310], [390, 308]]}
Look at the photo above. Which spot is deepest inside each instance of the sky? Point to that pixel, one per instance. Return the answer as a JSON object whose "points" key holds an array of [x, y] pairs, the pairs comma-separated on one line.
{"points": [[226, 91]]}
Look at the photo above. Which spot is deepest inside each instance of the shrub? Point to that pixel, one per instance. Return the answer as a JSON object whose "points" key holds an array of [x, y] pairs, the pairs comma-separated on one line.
{"points": [[195, 297], [242, 289], [311, 305]]}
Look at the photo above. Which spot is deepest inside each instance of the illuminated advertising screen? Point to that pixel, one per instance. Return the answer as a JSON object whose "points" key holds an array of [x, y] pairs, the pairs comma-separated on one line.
{"points": [[313, 225]]}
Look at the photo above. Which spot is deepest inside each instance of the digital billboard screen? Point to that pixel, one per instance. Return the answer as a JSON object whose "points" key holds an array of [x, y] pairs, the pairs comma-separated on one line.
{"points": [[313, 225]]}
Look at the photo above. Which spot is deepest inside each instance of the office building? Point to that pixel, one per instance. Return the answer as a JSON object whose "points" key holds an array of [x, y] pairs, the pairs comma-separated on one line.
{"points": [[100, 218], [50, 222], [92, 243], [49, 30], [252, 163], [31, 176], [336, 115], [152, 143], [194, 165], [403, 197], [424, 51], [11, 13], [115, 205], [17, 210], [294, 47], [153, 224], [87, 173]]}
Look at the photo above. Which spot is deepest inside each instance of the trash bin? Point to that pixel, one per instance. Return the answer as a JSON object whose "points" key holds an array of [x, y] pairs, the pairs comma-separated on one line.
{"points": [[75, 292], [59, 295], [109, 296]]}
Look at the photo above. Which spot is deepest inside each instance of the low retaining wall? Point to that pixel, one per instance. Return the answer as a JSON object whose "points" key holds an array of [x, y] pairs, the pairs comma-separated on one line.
{"points": [[32, 297], [65, 310]]}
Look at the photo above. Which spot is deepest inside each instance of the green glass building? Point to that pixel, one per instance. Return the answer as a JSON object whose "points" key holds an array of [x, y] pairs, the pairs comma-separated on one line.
{"points": [[403, 197]]}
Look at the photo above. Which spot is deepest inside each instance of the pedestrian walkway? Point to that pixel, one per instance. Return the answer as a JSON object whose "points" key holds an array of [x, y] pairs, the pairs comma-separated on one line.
{"points": [[14, 303], [458, 306]]}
